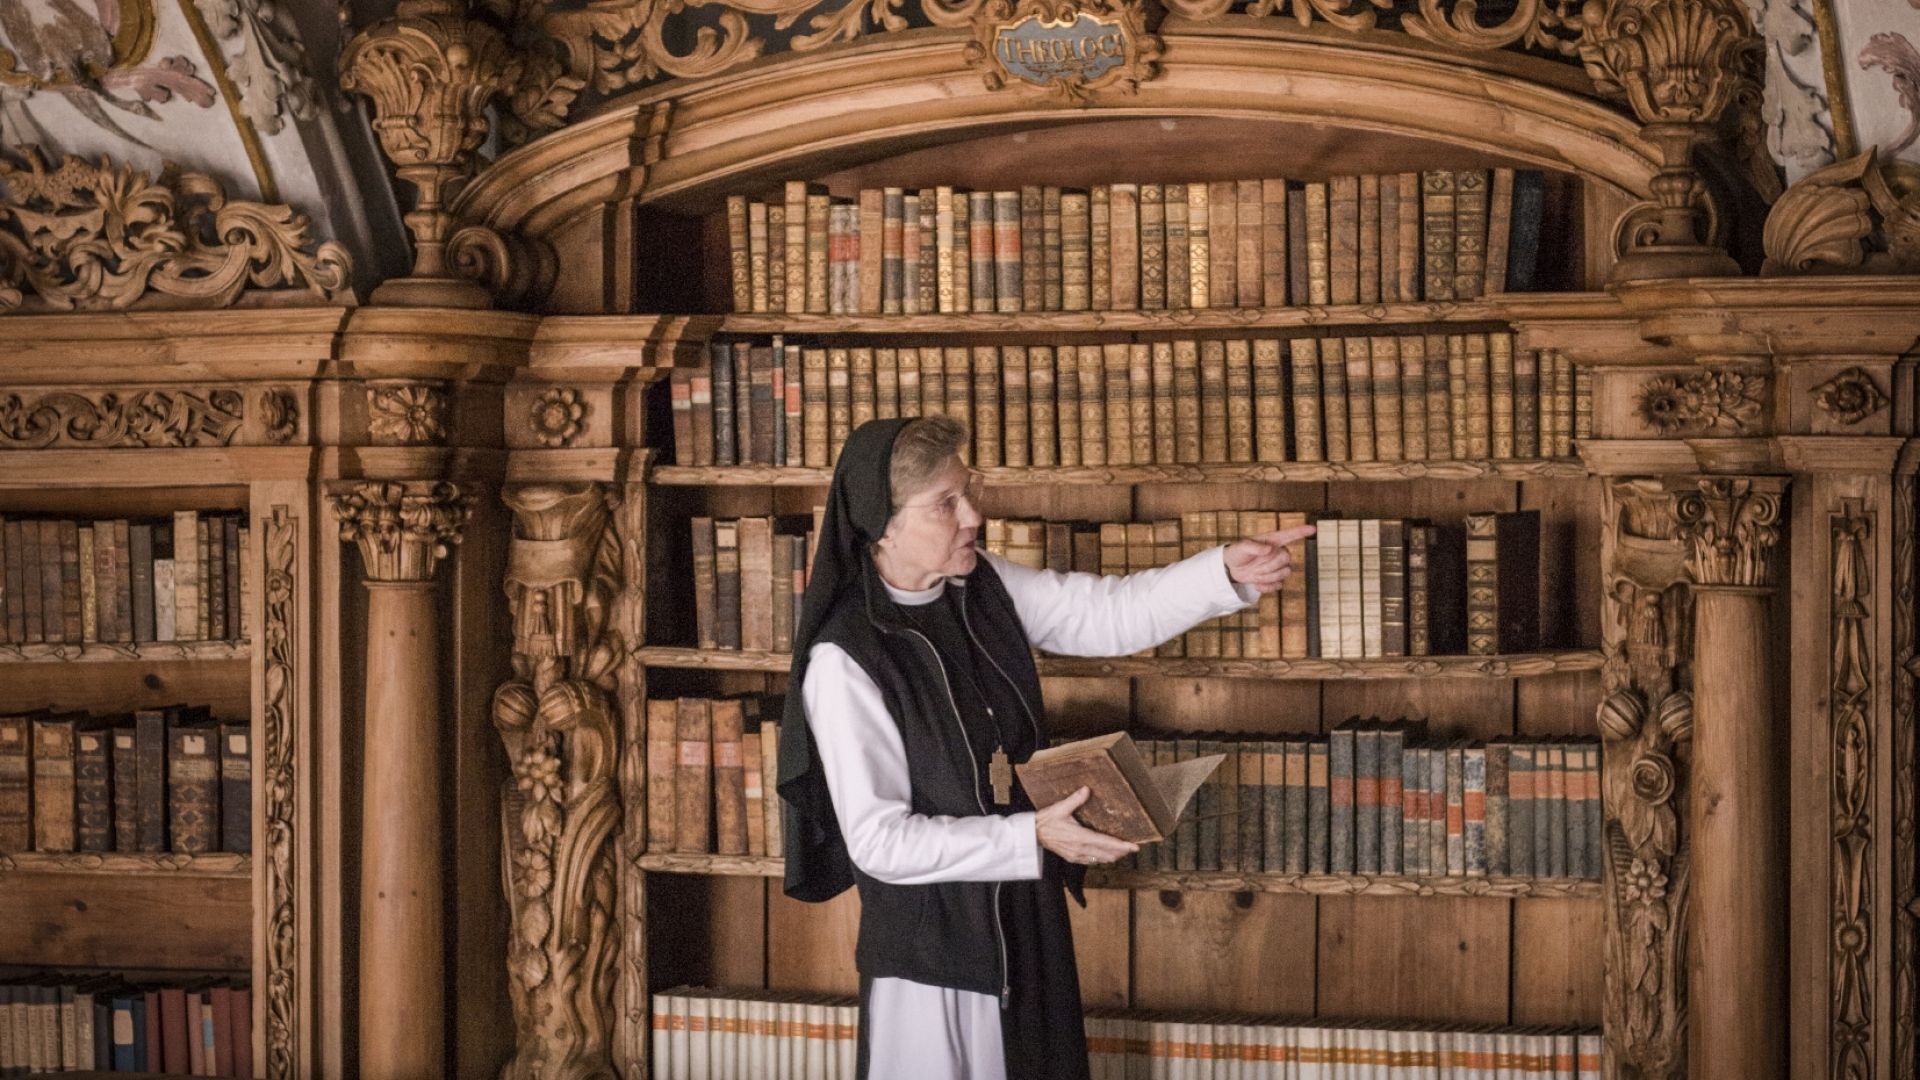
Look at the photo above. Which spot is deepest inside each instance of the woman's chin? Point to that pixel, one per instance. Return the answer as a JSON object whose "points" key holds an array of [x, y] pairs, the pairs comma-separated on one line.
{"points": [[962, 563]]}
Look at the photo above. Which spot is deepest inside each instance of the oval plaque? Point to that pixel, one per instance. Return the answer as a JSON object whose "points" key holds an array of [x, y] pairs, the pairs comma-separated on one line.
{"points": [[1070, 48]]}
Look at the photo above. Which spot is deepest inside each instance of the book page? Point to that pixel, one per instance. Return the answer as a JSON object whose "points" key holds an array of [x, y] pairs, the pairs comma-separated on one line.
{"points": [[1176, 783]]}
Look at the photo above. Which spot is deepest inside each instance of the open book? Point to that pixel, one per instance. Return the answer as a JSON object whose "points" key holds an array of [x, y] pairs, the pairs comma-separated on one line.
{"points": [[1128, 798]]}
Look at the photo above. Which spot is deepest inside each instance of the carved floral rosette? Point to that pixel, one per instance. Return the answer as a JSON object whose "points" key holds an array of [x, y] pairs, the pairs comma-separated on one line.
{"points": [[562, 809]]}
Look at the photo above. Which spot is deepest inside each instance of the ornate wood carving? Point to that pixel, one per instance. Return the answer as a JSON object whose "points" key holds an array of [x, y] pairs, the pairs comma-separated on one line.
{"points": [[1707, 402], [1846, 218], [1904, 983], [148, 418], [406, 413], [1071, 47], [1646, 724], [275, 773], [95, 236], [1851, 762], [1732, 530], [1850, 396], [557, 718], [631, 1042], [402, 530], [557, 416]]}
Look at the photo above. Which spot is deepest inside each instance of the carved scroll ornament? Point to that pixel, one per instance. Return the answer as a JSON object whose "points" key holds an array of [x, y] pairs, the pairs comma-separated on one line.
{"points": [[93, 236], [1854, 216], [1731, 526], [562, 809], [278, 774]]}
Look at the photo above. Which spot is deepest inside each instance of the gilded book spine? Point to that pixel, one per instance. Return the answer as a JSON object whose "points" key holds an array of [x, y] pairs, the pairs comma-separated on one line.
{"points": [[1388, 444], [1042, 433], [794, 248], [1500, 384], [1075, 252], [1249, 262], [910, 253], [1269, 401], [1369, 248], [818, 210], [1438, 232], [1319, 250], [980, 251], [1343, 238], [1066, 388], [1273, 242], [1389, 265], [1124, 208], [1199, 245], [1333, 394], [1469, 233], [1223, 211], [1140, 400], [757, 237], [987, 438], [1439, 396], [1165, 407], [929, 279], [1240, 403], [1093, 404], [1015, 409], [1033, 270], [1457, 396], [1186, 402], [1179, 254], [872, 249], [1526, 403], [1412, 254], [1050, 263], [1479, 398], [1499, 230], [893, 276], [1303, 358], [1413, 396], [1153, 246], [1213, 402], [1100, 247], [1359, 362]]}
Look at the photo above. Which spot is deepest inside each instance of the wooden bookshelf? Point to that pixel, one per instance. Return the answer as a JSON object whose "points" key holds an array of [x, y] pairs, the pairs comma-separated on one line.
{"points": [[220, 864], [1517, 665], [1200, 881], [1364, 317], [106, 652], [1317, 472]]}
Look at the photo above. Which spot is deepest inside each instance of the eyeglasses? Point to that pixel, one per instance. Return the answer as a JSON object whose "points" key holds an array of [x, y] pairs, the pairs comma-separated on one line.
{"points": [[948, 508]]}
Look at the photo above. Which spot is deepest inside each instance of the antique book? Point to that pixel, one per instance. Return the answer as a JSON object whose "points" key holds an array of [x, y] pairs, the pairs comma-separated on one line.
{"points": [[1366, 795], [693, 777], [663, 746], [1370, 243], [236, 787], [781, 589], [1499, 231], [1582, 394], [1066, 394], [1319, 245], [1520, 803], [985, 400], [777, 257], [16, 783], [1323, 590], [1294, 752], [933, 380], [213, 587], [1479, 398], [755, 538], [705, 583], [1269, 787], [757, 256], [1437, 234], [1333, 394], [795, 244], [962, 252], [1273, 242], [33, 605], [753, 784], [1457, 396], [1563, 407], [1293, 592], [1124, 254], [1439, 398], [1446, 590], [1388, 400], [11, 548], [90, 579], [1009, 258], [1116, 382], [126, 785], [769, 775], [1140, 400], [886, 383], [680, 401], [1033, 271], [1469, 233], [1418, 641], [819, 208], [1503, 582], [1412, 254], [1223, 227], [93, 785], [1169, 548], [1473, 810], [729, 782], [1129, 798], [1389, 261], [1351, 589], [1076, 252], [1340, 798], [1164, 407], [739, 253], [1199, 245], [945, 252], [1343, 239], [1359, 365], [1501, 397], [1100, 247], [726, 582], [1370, 610], [814, 408], [1393, 587], [120, 569], [1269, 401], [1206, 807], [929, 267], [839, 400], [1186, 402], [1413, 811], [843, 258], [981, 254], [1050, 268], [54, 800], [193, 785], [150, 728], [1042, 430], [1179, 253], [1526, 403], [1499, 863], [860, 385], [1556, 807], [1153, 246], [1318, 806], [70, 615], [1528, 222], [700, 407], [1437, 809], [791, 359], [1213, 401], [726, 403], [1393, 744], [1249, 271], [1090, 366], [1456, 781], [1239, 403], [1304, 368], [165, 606], [1412, 350], [1014, 408], [1298, 292]]}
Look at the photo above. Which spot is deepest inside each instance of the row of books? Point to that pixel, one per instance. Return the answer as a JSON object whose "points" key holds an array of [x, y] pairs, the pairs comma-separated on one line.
{"points": [[1374, 797], [1381, 397], [170, 779], [709, 1034], [711, 765], [1436, 235], [748, 581], [51, 1024], [172, 579]]}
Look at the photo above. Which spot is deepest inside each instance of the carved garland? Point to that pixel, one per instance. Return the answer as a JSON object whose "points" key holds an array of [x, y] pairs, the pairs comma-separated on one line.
{"points": [[563, 809], [194, 417], [276, 774], [1850, 709], [1905, 915], [1703, 403]]}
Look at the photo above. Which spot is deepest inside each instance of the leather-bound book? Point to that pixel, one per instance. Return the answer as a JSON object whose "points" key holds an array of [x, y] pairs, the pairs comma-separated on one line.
{"points": [[705, 583], [1271, 789], [1500, 385], [1091, 367], [1473, 806], [1352, 589], [1051, 281], [1479, 398], [1563, 404], [34, 602], [148, 605], [729, 780], [1124, 232], [793, 402], [911, 256], [1319, 245], [755, 539], [1273, 242], [933, 381], [1239, 400], [236, 787], [126, 786], [1298, 291], [794, 245], [1446, 590], [860, 385], [962, 251], [893, 235], [839, 400], [1384, 353], [1469, 233], [1179, 250], [788, 559], [819, 210], [814, 405], [1413, 396], [1582, 404], [680, 399], [1389, 238], [701, 406], [766, 404], [1359, 363], [89, 580], [1369, 245], [1293, 592], [726, 581], [1370, 578], [769, 768], [777, 257], [986, 406], [753, 784], [1186, 402], [1100, 247], [1043, 438], [16, 782], [1393, 587], [150, 728], [1333, 395], [1503, 582], [928, 278], [757, 256], [1066, 396], [663, 751], [726, 404], [980, 251], [13, 540], [1457, 396], [93, 785], [1366, 796], [1153, 246], [1165, 422], [947, 255], [1076, 252], [1199, 245], [1016, 410], [212, 579], [1249, 270], [1318, 806], [1140, 403], [1033, 266], [1526, 402], [70, 617], [1437, 233], [53, 781], [958, 364], [1418, 641], [1223, 258], [1439, 398], [1269, 401], [1304, 363], [1499, 231], [1129, 799], [693, 778], [1341, 804], [120, 584], [193, 785], [1499, 772], [1343, 239], [1213, 401], [1412, 253], [886, 382], [739, 258]]}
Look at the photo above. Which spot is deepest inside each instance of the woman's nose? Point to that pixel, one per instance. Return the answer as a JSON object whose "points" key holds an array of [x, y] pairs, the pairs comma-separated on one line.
{"points": [[969, 516]]}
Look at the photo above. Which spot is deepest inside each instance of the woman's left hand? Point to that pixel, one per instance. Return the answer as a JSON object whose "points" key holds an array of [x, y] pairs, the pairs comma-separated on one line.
{"points": [[1261, 561]]}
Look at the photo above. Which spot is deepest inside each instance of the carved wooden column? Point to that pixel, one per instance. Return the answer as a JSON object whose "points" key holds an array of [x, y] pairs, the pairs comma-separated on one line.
{"points": [[403, 531], [1731, 529]]}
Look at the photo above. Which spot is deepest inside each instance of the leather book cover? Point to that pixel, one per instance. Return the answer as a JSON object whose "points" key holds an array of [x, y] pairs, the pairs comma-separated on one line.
{"points": [[1456, 809], [1050, 265], [1351, 586], [70, 618], [819, 209], [1520, 802], [1333, 394], [1368, 248], [726, 581], [1319, 806], [986, 406], [230, 552], [1016, 409], [1446, 590], [1563, 405], [1199, 245], [958, 364], [1239, 383], [814, 406], [944, 268], [16, 783], [1412, 253], [766, 407], [1473, 810], [933, 380], [1292, 783], [53, 782], [1298, 291], [700, 398], [757, 256], [705, 583], [150, 727], [769, 773], [1549, 418], [1418, 643], [729, 780], [1319, 245], [928, 270], [1124, 231], [1370, 611], [193, 786], [1359, 365], [1393, 743], [1293, 592], [693, 778], [1273, 242], [1503, 569], [1437, 810], [663, 749], [1130, 798], [1582, 404], [1076, 251], [1499, 231], [14, 543], [1304, 363], [1413, 396], [1223, 253], [777, 257], [1221, 851], [738, 253], [911, 256], [126, 786], [1165, 422], [1469, 233], [1393, 587], [860, 385], [1090, 368], [1270, 789], [755, 538], [1439, 398], [1186, 402], [1384, 354], [1179, 247], [962, 252], [1249, 269], [1413, 811], [1343, 239], [1059, 543], [1457, 396], [1100, 247], [1066, 386], [680, 399], [213, 585], [1153, 246], [1033, 266], [1140, 402], [726, 403], [1341, 798], [236, 787], [1269, 401], [1556, 804], [893, 236], [1499, 863], [122, 582], [1526, 402], [1479, 387], [795, 245], [886, 382], [1500, 386], [1213, 401], [1323, 591], [788, 558], [982, 294], [1528, 220], [90, 557], [793, 402], [1113, 548], [839, 400], [1389, 238], [753, 787], [93, 786], [1366, 796], [34, 580], [1042, 430], [1437, 233]]}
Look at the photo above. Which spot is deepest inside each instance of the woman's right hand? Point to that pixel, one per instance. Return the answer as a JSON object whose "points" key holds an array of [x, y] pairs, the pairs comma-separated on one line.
{"points": [[1074, 842]]}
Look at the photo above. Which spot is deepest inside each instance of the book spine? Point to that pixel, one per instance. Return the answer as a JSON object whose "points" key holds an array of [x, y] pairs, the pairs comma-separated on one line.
{"points": [[1437, 811], [1050, 263], [693, 777], [1456, 811], [753, 792], [1273, 242], [1499, 231], [1388, 400], [90, 577], [726, 406], [819, 210], [1269, 401], [1042, 424], [1343, 239], [1067, 412], [1187, 408], [1239, 400], [1351, 590], [126, 790], [53, 785], [1413, 396], [93, 790], [1582, 404], [1366, 799], [70, 614], [236, 788], [927, 271], [663, 744], [1304, 366], [1556, 811], [1297, 798], [1294, 615], [1501, 387], [1249, 270], [1033, 270], [1499, 769], [1124, 265], [1473, 807], [893, 275], [705, 583], [1359, 366], [1223, 258], [1369, 246], [739, 253], [1140, 401], [1458, 396], [1479, 398], [1563, 406], [1389, 260], [1090, 365], [757, 282], [1153, 246], [981, 252], [1419, 642], [1319, 807], [1413, 812], [1340, 800], [1076, 251], [1393, 588], [1298, 290], [1213, 401], [944, 270], [729, 782], [1412, 253], [1526, 402], [1520, 810], [1272, 789], [1179, 247], [1100, 247], [1199, 245], [150, 749], [1370, 582], [1439, 399], [1469, 233], [193, 789], [1333, 393], [1116, 381], [1164, 407], [958, 368], [1437, 234], [1483, 585], [1323, 552], [1393, 739], [962, 251], [795, 246], [34, 575], [986, 424], [777, 257]]}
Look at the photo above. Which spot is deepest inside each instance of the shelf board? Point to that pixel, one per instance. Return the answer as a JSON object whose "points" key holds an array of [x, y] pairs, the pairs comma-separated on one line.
{"points": [[1108, 475], [1195, 881], [94, 652], [1509, 666], [115, 864], [1365, 316]]}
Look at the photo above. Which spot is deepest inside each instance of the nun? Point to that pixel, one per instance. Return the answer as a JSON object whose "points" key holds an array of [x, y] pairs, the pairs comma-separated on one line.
{"points": [[913, 694]]}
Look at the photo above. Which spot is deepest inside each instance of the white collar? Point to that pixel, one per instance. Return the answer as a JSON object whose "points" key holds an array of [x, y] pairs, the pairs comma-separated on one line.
{"points": [[916, 597]]}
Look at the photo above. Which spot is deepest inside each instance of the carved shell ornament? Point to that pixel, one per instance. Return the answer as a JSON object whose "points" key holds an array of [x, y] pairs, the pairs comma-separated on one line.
{"points": [[1850, 396]]}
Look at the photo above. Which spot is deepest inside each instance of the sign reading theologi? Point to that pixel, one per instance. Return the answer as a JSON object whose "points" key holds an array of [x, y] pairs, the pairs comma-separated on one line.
{"points": [[1069, 48]]}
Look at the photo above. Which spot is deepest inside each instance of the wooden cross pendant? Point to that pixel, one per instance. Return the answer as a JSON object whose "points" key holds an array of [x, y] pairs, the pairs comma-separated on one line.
{"points": [[1000, 775]]}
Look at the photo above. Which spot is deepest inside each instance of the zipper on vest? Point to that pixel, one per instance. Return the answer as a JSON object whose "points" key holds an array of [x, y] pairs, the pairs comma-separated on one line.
{"points": [[1032, 720]]}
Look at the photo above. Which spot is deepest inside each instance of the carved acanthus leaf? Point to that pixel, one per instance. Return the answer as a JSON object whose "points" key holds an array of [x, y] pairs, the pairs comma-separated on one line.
{"points": [[1851, 217], [1731, 526], [266, 59], [141, 418], [402, 530], [94, 236]]}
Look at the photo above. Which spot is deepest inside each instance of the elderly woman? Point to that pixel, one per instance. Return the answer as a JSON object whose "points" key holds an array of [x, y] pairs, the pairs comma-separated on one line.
{"points": [[914, 691]]}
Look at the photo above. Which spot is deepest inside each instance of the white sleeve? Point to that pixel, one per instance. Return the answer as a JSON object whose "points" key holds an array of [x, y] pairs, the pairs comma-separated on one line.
{"points": [[1095, 615], [866, 771]]}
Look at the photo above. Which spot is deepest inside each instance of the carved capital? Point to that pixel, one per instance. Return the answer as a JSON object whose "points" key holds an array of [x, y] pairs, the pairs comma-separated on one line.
{"points": [[1854, 216], [94, 236], [1731, 526], [403, 530]]}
